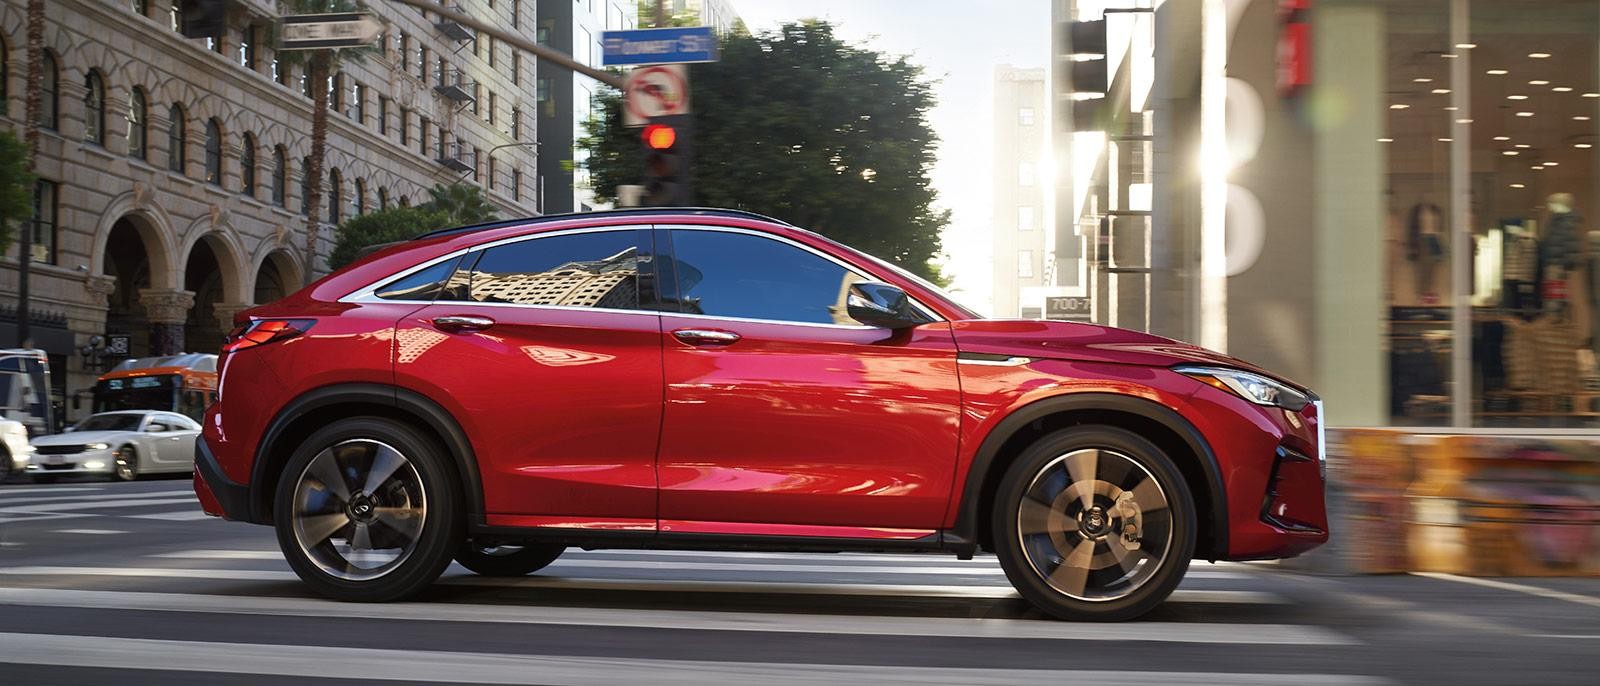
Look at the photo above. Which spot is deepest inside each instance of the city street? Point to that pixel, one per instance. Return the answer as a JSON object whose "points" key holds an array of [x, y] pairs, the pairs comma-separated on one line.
{"points": [[130, 583]]}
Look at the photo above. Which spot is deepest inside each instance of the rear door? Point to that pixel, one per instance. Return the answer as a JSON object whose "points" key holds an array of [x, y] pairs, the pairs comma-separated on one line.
{"points": [[542, 349]]}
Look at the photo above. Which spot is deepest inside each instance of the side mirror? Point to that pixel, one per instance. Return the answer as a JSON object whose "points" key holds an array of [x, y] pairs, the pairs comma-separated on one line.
{"points": [[155, 429], [881, 305]]}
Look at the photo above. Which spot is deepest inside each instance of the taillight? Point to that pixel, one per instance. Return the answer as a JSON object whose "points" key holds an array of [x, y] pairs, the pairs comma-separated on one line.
{"points": [[264, 331]]}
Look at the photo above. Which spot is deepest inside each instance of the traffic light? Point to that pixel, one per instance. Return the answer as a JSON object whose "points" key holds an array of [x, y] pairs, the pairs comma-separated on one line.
{"points": [[1084, 74], [666, 162], [203, 18]]}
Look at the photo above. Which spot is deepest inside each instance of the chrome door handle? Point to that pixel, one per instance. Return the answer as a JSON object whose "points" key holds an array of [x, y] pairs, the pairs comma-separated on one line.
{"points": [[462, 323], [706, 336]]}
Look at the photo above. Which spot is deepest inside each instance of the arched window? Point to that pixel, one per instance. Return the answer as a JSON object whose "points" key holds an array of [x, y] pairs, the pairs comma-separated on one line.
{"points": [[214, 152], [177, 156], [280, 176], [335, 197], [94, 108], [138, 125], [247, 166], [49, 87], [305, 186], [383, 198], [359, 197]]}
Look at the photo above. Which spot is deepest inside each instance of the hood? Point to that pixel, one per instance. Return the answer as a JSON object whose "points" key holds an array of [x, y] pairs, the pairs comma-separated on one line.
{"points": [[81, 437], [1088, 343]]}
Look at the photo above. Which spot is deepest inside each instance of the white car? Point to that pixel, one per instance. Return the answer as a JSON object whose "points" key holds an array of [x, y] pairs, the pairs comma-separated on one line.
{"points": [[123, 445], [14, 448]]}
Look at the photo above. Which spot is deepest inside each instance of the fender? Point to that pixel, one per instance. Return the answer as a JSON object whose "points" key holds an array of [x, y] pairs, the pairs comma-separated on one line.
{"points": [[966, 525], [403, 399]]}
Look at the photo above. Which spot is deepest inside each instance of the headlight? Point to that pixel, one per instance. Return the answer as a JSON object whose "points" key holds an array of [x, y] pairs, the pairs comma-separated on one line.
{"points": [[97, 446], [1252, 387]]}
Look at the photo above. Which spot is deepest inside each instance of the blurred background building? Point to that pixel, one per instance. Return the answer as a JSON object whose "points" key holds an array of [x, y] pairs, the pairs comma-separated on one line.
{"points": [[171, 170], [1020, 180], [566, 99]]}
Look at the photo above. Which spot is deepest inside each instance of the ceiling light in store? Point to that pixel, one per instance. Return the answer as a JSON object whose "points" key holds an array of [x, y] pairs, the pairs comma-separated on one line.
{"points": [[1440, 91], [1449, 55], [1451, 108], [1422, 79], [1580, 118], [1539, 55], [1516, 97], [1385, 140], [1463, 121], [1502, 138], [1536, 168], [1466, 46], [1399, 106], [1591, 95], [1552, 164], [1445, 140], [1497, 72], [1582, 146], [1510, 153], [1562, 89], [1522, 146], [1524, 114], [1518, 185], [1538, 82]]}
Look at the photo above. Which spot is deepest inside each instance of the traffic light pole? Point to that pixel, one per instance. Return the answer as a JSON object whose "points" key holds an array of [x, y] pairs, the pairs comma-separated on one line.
{"points": [[516, 41]]}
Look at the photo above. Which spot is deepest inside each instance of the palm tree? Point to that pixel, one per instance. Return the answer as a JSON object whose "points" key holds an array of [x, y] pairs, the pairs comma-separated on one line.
{"points": [[462, 203], [319, 65]]}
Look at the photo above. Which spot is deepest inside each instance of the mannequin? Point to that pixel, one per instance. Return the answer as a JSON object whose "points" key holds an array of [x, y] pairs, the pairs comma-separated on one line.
{"points": [[1559, 251], [1425, 249]]}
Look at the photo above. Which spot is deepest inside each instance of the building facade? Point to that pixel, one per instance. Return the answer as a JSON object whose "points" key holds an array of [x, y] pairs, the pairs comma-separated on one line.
{"points": [[172, 171], [566, 100], [1021, 253]]}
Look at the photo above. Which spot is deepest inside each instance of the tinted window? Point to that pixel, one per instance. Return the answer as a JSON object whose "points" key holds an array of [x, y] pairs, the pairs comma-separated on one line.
{"points": [[597, 269], [110, 422], [740, 275], [420, 285]]}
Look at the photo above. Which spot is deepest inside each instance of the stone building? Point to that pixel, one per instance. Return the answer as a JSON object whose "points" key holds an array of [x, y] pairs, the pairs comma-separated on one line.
{"points": [[172, 184]]}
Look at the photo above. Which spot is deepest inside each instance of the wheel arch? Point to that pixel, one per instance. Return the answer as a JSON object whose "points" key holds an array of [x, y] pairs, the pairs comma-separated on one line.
{"points": [[1169, 430], [321, 406]]}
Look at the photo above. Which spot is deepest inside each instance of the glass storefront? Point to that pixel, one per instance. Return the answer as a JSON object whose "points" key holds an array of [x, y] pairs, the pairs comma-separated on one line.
{"points": [[1492, 113]]}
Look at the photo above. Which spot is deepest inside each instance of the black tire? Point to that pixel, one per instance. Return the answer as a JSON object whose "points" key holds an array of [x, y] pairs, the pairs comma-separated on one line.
{"points": [[1032, 471], [508, 560], [125, 464], [441, 523], [5, 465]]}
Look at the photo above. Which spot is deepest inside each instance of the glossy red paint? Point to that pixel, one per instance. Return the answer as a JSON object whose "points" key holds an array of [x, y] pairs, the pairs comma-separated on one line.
{"points": [[590, 420]]}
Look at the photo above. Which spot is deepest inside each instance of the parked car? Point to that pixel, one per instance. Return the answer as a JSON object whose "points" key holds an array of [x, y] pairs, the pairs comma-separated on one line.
{"points": [[14, 448], [676, 378], [122, 445]]}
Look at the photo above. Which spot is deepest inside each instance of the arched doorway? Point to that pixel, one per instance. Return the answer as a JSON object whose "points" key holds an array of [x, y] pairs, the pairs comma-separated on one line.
{"points": [[128, 264], [277, 277], [203, 276]]}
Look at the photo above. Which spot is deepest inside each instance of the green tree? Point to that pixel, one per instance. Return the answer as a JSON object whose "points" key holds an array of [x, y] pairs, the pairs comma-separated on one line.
{"points": [[16, 186], [462, 203], [802, 126], [383, 226], [319, 67]]}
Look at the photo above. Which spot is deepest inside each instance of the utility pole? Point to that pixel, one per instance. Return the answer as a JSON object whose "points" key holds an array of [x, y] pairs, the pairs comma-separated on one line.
{"points": [[661, 14]]}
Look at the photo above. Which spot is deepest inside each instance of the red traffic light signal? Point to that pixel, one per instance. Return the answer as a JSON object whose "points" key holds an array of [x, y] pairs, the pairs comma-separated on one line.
{"points": [[660, 136]]}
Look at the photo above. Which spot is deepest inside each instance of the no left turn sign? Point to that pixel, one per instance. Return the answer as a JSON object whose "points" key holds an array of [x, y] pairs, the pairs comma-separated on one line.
{"points": [[656, 91]]}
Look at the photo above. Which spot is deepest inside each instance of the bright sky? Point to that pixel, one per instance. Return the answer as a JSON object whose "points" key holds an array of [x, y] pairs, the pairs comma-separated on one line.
{"points": [[957, 42]]}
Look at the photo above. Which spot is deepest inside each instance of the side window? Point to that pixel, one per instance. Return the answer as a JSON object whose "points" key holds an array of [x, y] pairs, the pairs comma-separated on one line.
{"points": [[594, 269], [739, 275], [420, 285]]}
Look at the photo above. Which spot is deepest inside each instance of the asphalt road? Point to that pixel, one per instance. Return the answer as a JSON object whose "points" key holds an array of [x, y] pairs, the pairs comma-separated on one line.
{"points": [[131, 584]]}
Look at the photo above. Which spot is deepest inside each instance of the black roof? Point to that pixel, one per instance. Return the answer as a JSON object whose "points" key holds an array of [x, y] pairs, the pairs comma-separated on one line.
{"points": [[623, 212]]}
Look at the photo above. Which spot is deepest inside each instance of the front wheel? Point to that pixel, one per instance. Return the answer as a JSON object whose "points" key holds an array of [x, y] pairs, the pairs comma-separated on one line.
{"points": [[366, 511], [507, 560], [125, 464], [1094, 523]]}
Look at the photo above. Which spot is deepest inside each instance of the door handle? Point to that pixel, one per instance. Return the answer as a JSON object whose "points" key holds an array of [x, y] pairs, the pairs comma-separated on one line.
{"points": [[462, 323], [706, 336]]}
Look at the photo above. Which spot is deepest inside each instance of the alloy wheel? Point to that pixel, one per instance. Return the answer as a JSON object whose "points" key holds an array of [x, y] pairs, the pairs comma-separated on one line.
{"points": [[125, 464], [1095, 524], [358, 509]]}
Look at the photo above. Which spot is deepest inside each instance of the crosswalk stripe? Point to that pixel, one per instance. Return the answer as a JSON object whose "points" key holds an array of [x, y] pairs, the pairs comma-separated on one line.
{"points": [[500, 668], [178, 516], [642, 585], [585, 562], [103, 497], [695, 620], [93, 505], [8, 490]]}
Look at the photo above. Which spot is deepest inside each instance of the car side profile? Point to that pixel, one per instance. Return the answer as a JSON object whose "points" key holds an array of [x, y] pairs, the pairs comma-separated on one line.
{"points": [[713, 379], [122, 445]]}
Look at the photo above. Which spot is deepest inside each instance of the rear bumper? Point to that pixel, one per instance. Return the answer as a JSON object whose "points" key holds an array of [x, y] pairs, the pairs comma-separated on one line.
{"points": [[219, 496]]}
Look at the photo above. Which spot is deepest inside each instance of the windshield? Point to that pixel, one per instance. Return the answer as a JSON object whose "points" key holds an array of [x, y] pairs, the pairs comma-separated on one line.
{"points": [[966, 312], [110, 422]]}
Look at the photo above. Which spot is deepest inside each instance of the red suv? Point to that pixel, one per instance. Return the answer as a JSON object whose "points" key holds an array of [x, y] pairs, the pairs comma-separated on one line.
{"points": [[713, 379]]}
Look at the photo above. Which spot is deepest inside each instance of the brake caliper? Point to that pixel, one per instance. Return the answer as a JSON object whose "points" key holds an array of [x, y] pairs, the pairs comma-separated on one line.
{"points": [[1126, 510]]}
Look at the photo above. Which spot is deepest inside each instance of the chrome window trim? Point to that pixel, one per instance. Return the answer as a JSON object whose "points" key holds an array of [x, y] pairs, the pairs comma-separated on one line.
{"points": [[933, 317], [1007, 362]]}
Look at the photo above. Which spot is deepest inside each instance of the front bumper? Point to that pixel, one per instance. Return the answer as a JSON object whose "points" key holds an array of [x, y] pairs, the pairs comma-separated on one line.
{"points": [[87, 462], [218, 495]]}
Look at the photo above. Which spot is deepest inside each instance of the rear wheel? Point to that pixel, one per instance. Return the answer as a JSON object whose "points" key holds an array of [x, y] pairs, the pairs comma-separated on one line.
{"points": [[125, 464], [507, 560], [367, 511], [1094, 523]]}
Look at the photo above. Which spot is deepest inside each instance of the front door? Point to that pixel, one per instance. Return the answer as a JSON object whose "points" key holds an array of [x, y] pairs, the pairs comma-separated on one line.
{"points": [[783, 415], [541, 349]]}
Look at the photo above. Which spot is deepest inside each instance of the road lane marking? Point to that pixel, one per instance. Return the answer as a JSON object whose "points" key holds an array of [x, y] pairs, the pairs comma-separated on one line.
{"points": [[643, 585], [1549, 593], [7, 490], [91, 532], [178, 516], [697, 620], [31, 500], [73, 507]]}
